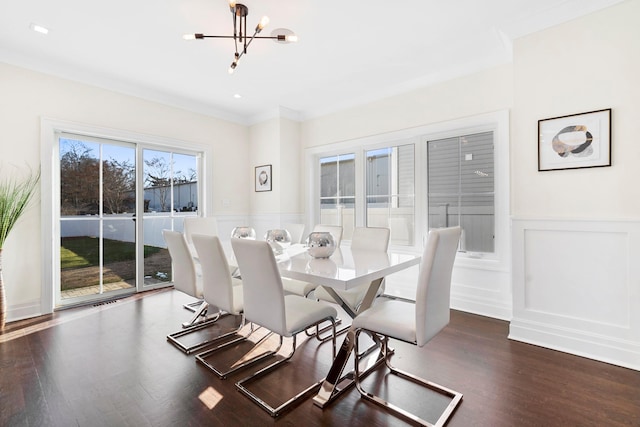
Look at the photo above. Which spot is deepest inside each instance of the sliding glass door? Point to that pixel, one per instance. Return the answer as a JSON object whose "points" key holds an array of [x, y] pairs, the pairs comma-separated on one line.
{"points": [[97, 210], [115, 199], [170, 194]]}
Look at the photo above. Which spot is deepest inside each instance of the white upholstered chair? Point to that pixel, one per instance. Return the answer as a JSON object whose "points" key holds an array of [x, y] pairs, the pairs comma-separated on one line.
{"points": [[265, 304], [207, 226], [222, 293], [418, 322], [200, 225], [364, 238], [296, 231], [184, 277]]}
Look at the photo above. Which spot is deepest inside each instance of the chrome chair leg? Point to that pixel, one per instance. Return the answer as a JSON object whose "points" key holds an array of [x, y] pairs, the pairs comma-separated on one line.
{"points": [[174, 337], [455, 396], [202, 357], [275, 411], [192, 306], [318, 331], [200, 311]]}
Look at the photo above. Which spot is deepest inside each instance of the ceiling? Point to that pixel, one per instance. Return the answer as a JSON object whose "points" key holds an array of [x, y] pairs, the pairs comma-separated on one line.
{"points": [[349, 52]]}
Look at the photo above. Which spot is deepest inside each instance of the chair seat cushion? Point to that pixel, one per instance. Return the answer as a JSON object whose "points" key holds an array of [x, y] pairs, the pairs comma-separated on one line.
{"points": [[395, 319], [297, 287], [302, 312]]}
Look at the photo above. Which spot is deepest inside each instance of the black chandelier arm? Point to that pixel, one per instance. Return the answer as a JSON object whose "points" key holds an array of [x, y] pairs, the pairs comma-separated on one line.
{"points": [[243, 33], [254, 36], [205, 36]]}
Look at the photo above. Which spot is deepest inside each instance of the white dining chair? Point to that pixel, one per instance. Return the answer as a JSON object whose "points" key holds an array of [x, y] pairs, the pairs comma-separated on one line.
{"points": [[365, 239], [296, 231], [200, 225], [221, 292], [184, 276], [415, 323], [265, 304]]}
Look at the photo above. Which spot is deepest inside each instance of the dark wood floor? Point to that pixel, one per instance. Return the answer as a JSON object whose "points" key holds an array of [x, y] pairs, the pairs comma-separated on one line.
{"points": [[112, 366]]}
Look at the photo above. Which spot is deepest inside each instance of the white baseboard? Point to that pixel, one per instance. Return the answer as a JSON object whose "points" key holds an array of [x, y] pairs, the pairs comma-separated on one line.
{"points": [[487, 308], [24, 310], [581, 343]]}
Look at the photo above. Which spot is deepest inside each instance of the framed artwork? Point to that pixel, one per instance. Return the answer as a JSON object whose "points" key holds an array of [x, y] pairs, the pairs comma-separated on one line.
{"points": [[263, 178], [575, 141]]}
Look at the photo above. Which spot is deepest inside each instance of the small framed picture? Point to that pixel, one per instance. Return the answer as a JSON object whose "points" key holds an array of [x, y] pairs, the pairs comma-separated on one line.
{"points": [[575, 141], [263, 178]]}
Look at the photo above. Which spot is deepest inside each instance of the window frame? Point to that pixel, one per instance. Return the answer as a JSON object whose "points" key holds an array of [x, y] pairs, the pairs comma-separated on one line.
{"points": [[497, 122], [50, 193]]}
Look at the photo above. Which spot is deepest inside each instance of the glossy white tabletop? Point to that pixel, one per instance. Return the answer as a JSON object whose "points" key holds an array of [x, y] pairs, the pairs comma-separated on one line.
{"points": [[345, 268]]}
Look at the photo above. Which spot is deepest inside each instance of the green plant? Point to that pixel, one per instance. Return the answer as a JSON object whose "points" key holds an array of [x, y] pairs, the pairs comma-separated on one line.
{"points": [[15, 195]]}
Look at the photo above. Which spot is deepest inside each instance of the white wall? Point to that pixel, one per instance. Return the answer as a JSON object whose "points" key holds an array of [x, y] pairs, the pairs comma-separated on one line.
{"points": [[479, 286], [486, 91], [575, 232], [28, 96], [587, 305], [276, 142]]}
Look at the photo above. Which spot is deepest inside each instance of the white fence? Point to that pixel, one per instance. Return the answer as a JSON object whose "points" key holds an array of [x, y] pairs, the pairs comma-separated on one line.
{"points": [[122, 227]]}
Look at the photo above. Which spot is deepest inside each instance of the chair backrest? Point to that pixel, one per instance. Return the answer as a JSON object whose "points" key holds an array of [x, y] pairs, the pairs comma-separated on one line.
{"points": [[217, 285], [184, 270], [262, 284], [434, 283], [200, 225], [370, 238], [335, 230], [296, 231]]}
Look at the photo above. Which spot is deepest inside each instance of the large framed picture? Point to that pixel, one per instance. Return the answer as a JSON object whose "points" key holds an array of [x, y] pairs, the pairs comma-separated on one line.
{"points": [[263, 178], [575, 141]]}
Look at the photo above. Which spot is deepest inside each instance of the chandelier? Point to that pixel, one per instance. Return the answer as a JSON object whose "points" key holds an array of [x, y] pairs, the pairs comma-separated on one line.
{"points": [[240, 35]]}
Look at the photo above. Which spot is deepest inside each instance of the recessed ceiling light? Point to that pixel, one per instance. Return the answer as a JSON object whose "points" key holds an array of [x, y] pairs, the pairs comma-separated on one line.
{"points": [[39, 28], [237, 96]]}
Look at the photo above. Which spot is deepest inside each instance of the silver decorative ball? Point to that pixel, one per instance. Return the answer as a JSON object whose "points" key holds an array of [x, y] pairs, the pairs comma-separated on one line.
{"points": [[279, 236], [278, 239], [320, 244], [243, 233]]}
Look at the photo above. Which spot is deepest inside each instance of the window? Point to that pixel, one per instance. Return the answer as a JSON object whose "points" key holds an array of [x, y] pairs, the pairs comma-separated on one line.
{"points": [[461, 188], [337, 192], [442, 174], [390, 187]]}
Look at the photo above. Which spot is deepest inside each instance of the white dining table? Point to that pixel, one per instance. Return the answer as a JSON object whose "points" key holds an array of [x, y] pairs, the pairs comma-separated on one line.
{"points": [[344, 270]]}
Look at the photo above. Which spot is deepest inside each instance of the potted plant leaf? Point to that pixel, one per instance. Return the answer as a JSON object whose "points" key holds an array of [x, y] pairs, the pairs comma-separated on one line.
{"points": [[15, 196]]}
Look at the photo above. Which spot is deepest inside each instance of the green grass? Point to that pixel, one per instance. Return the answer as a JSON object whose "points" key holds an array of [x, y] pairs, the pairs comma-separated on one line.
{"points": [[76, 252]]}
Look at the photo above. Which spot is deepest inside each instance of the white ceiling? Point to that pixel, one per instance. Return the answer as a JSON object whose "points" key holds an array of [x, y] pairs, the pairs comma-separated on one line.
{"points": [[350, 52]]}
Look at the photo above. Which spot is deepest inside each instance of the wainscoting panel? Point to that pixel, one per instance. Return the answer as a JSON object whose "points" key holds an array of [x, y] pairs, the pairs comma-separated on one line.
{"points": [[481, 291], [576, 287]]}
